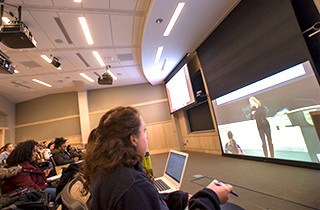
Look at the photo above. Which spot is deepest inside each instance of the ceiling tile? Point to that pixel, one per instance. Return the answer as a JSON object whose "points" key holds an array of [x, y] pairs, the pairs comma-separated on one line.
{"points": [[38, 2], [30, 64], [73, 27], [132, 72], [100, 29], [96, 4], [122, 30], [119, 73], [65, 3], [123, 4]]}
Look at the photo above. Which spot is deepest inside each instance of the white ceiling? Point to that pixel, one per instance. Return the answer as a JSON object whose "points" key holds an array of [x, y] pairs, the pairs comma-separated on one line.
{"points": [[121, 29]]}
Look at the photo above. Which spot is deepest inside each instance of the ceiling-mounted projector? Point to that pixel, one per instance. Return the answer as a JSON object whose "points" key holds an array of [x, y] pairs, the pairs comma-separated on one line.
{"points": [[6, 66], [105, 78], [55, 62], [16, 35]]}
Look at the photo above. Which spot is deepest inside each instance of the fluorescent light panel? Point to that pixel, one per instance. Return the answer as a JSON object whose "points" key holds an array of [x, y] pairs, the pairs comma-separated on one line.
{"points": [[46, 58], [86, 30], [158, 55], [86, 77], [273, 80], [42, 83], [6, 20], [78, 1], [99, 59], [174, 18], [112, 75]]}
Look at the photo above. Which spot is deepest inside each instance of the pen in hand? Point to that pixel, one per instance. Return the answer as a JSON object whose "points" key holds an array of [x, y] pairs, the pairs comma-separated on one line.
{"points": [[233, 193]]}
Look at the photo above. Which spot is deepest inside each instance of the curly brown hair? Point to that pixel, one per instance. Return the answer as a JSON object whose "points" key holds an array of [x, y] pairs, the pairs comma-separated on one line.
{"points": [[22, 153], [112, 147]]}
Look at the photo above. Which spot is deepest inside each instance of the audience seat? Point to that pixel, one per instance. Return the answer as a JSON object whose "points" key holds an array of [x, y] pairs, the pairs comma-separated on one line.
{"points": [[71, 196], [58, 169]]}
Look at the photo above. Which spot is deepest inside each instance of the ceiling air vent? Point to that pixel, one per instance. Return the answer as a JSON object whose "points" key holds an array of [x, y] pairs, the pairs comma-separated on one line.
{"points": [[21, 85], [63, 30], [125, 57], [82, 59]]}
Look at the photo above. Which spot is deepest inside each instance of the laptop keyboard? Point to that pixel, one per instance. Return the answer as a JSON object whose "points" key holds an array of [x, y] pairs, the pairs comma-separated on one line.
{"points": [[161, 185]]}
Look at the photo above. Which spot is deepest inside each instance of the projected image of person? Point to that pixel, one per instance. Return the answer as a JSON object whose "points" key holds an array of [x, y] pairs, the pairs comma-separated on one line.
{"points": [[259, 114], [232, 147]]}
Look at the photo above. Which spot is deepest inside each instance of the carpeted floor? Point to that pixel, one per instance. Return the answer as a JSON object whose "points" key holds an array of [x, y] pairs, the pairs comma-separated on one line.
{"points": [[260, 185]]}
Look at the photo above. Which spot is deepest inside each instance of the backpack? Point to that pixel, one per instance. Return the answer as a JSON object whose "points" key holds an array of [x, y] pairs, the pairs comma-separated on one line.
{"points": [[25, 198]]}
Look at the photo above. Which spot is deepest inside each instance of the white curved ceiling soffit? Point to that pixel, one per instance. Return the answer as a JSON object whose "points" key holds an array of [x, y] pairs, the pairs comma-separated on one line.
{"points": [[196, 21]]}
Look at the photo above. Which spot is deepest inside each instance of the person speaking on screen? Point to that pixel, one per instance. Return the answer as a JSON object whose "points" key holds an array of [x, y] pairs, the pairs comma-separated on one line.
{"points": [[259, 114]]}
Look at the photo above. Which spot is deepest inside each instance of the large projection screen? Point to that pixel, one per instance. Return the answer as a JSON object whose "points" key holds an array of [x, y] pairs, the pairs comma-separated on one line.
{"points": [[286, 98]]}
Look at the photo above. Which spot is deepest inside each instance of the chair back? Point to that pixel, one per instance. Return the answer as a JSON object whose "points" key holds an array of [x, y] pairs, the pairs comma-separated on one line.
{"points": [[58, 169], [71, 197]]}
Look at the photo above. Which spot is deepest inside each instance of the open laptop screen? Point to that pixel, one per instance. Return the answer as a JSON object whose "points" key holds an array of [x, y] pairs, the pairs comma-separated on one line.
{"points": [[175, 166]]}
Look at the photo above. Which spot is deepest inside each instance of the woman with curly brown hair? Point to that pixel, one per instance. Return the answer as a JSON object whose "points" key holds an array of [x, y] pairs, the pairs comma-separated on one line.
{"points": [[25, 155], [114, 175]]}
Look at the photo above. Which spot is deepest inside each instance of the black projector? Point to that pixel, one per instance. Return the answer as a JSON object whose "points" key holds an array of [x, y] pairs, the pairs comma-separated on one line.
{"points": [[5, 64], [16, 36], [105, 79]]}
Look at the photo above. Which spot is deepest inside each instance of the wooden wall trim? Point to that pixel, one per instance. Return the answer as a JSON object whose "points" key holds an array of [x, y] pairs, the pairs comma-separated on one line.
{"points": [[90, 113], [133, 105], [47, 121], [156, 123]]}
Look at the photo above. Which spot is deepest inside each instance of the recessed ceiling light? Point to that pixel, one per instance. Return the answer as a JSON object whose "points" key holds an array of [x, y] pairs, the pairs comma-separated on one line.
{"points": [[174, 18], [158, 55], [78, 1], [86, 77], [96, 54], [16, 71], [42, 83], [159, 20], [86, 30]]}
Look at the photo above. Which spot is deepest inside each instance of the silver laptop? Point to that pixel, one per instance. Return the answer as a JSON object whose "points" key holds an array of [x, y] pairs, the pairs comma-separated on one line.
{"points": [[173, 172]]}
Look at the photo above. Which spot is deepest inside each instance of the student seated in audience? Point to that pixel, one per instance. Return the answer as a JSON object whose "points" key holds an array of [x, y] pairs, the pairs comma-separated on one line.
{"points": [[41, 162], [60, 155], [5, 154], [114, 175], [74, 152], [40, 147], [25, 155], [47, 151]]}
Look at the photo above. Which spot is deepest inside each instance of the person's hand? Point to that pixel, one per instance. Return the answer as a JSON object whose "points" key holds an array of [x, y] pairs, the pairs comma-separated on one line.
{"points": [[76, 159], [47, 172], [223, 192]]}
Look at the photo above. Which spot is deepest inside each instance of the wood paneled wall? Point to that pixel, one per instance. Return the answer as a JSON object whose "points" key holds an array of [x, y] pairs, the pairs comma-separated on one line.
{"points": [[207, 142], [160, 137]]}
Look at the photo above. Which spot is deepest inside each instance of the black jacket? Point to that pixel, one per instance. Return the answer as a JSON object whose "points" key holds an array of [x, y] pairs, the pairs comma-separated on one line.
{"points": [[128, 188], [61, 158]]}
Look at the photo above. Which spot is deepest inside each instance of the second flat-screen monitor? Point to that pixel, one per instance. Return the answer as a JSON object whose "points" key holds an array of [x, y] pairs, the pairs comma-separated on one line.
{"points": [[179, 90], [273, 117]]}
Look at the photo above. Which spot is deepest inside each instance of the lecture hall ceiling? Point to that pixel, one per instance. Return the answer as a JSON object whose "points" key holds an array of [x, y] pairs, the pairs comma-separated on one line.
{"points": [[124, 33]]}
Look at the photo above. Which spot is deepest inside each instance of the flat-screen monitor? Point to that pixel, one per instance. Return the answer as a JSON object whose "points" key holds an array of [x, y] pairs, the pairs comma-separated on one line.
{"points": [[179, 90], [272, 118]]}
